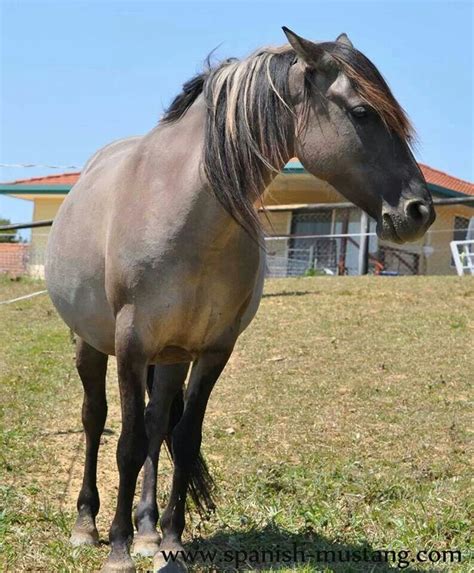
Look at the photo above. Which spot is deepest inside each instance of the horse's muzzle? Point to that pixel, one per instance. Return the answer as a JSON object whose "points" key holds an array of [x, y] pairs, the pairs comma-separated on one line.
{"points": [[408, 222]]}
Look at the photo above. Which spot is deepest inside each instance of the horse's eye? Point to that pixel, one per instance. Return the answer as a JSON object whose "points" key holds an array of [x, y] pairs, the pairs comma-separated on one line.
{"points": [[359, 111]]}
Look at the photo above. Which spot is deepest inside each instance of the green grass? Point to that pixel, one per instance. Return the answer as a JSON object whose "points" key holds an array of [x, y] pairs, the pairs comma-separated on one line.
{"points": [[341, 422]]}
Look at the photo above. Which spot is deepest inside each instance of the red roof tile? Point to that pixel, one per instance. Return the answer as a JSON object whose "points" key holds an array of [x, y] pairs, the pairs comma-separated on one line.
{"points": [[59, 179], [433, 176], [436, 177]]}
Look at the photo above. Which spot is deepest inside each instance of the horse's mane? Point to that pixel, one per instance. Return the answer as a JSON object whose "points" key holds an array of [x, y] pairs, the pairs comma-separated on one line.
{"points": [[184, 100], [251, 124]]}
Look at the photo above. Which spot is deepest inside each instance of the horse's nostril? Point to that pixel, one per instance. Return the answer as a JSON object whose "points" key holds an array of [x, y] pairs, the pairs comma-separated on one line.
{"points": [[417, 211], [386, 219]]}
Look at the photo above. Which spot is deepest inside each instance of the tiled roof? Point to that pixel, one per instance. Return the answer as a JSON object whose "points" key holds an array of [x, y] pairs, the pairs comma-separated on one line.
{"points": [[436, 177], [59, 179], [433, 176]]}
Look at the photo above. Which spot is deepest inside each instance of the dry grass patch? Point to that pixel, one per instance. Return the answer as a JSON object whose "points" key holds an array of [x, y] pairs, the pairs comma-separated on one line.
{"points": [[341, 422]]}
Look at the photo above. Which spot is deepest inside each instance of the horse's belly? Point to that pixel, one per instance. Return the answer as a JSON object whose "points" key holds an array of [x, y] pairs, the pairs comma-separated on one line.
{"points": [[176, 322], [173, 355], [182, 332], [181, 310]]}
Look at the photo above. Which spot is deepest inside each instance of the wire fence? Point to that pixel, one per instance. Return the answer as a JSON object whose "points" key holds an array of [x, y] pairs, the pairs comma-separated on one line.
{"points": [[338, 255], [322, 239], [289, 255]]}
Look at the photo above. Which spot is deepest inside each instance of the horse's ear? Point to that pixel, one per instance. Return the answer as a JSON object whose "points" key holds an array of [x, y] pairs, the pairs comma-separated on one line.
{"points": [[308, 51], [344, 39]]}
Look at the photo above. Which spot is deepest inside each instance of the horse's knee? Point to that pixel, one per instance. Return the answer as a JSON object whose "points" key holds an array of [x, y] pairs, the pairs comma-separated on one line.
{"points": [[132, 451], [94, 415]]}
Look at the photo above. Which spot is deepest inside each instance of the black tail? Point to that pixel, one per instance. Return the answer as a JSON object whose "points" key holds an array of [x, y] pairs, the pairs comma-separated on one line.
{"points": [[201, 483]]}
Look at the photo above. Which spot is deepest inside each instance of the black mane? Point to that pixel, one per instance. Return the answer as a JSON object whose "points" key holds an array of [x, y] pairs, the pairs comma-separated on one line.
{"points": [[249, 126], [192, 89], [251, 123]]}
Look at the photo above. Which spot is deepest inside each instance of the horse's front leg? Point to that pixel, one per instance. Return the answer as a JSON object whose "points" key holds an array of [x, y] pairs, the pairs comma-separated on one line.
{"points": [[132, 445], [186, 443], [165, 389], [92, 368]]}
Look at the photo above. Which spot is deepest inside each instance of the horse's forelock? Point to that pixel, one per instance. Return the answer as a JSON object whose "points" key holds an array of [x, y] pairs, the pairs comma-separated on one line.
{"points": [[372, 88]]}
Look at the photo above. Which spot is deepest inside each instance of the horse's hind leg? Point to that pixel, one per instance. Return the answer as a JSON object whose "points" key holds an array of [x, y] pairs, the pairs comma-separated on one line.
{"points": [[165, 387], [92, 367], [188, 466]]}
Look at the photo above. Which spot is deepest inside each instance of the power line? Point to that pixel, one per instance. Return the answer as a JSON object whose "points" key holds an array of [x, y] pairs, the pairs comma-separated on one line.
{"points": [[43, 166]]}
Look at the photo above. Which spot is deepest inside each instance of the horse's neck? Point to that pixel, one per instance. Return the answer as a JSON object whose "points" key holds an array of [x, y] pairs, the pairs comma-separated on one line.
{"points": [[184, 144]]}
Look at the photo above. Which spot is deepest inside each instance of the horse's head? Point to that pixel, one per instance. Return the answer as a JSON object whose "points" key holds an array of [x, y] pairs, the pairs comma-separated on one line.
{"points": [[353, 134]]}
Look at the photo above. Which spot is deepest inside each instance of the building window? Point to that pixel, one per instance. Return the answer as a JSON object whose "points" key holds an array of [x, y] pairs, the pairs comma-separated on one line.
{"points": [[308, 252], [335, 255], [461, 225]]}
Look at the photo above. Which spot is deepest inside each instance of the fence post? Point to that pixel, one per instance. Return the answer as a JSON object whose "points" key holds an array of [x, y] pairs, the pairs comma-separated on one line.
{"points": [[311, 257], [364, 244]]}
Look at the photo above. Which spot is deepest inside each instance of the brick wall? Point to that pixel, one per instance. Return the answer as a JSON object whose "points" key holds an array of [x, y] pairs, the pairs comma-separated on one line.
{"points": [[13, 258]]}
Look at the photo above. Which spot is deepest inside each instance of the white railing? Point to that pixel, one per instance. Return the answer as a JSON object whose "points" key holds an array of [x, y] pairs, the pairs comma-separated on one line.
{"points": [[463, 256]]}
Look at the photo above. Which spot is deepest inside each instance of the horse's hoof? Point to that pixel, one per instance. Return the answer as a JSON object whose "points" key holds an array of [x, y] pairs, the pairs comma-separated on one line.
{"points": [[122, 565], [84, 537], [146, 545], [160, 565]]}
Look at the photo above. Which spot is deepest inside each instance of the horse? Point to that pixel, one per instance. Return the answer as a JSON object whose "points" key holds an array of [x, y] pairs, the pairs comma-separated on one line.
{"points": [[156, 255]]}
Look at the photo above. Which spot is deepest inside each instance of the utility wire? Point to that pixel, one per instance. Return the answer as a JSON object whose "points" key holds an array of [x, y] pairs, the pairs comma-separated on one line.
{"points": [[43, 166]]}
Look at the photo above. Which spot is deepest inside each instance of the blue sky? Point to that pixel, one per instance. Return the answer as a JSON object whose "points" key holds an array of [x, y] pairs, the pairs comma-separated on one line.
{"points": [[76, 75]]}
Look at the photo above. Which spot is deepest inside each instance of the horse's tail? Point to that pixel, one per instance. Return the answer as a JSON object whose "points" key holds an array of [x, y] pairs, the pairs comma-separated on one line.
{"points": [[201, 483]]}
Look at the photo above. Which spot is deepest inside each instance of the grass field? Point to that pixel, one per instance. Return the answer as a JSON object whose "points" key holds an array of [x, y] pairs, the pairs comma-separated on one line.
{"points": [[341, 422]]}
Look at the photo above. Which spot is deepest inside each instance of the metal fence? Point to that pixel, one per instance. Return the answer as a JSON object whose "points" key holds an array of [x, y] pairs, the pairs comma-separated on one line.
{"points": [[286, 257], [334, 255], [296, 255], [325, 239], [289, 256], [312, 255]]}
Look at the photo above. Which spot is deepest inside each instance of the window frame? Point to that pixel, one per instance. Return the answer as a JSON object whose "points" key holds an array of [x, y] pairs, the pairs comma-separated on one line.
{"points": [[457, 230]]}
